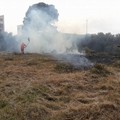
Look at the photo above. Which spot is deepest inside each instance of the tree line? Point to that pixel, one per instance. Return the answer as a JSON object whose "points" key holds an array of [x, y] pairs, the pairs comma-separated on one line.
{"points": [[8, 42], [100, 43]]}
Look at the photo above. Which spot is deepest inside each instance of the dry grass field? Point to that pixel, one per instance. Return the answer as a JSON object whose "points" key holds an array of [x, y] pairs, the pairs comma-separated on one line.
{"points": [[38, 87]]}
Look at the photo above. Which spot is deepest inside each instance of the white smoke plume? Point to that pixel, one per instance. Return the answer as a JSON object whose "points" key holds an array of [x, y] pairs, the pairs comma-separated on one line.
{"points": [[8, 42], [39, 26]]}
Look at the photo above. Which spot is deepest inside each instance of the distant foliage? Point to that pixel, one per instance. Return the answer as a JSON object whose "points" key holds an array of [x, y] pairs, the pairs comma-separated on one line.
{"points": [[101, 42], [8, 42]]}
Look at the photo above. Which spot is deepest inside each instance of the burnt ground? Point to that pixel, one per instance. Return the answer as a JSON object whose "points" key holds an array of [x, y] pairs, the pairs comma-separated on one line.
{"points": [[103, 58], [40, 87]]}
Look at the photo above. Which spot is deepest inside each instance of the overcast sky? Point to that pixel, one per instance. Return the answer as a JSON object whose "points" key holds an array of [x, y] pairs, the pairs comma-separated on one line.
{"points": [[102, 15]]}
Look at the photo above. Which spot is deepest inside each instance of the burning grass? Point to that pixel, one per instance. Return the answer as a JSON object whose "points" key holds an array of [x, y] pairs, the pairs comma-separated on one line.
{"points": [[37, 87]]}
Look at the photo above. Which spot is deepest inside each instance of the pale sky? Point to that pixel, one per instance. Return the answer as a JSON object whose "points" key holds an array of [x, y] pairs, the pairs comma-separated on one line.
{"points": [[102, 15]]}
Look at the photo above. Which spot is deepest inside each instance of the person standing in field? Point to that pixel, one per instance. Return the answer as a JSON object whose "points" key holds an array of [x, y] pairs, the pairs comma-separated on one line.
{"points": [[23, 46]]}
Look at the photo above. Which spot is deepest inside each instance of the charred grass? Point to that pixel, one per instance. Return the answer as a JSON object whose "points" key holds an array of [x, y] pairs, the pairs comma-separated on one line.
{"points": [[37, 87]]}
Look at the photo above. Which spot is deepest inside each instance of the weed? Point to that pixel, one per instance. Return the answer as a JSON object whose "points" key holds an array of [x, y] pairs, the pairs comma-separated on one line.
{"points": [[3, 104], [37, 112], [64, 67], [100, 69], [8, 58], [117, 64], [65, 99], [53, 106], [31, 62]]}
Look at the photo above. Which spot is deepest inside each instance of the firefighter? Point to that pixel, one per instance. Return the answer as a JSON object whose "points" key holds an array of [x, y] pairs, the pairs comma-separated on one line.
{"points": [[23, 46]]}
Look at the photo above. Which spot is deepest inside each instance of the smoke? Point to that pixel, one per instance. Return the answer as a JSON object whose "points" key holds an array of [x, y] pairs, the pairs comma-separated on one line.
{"points": [[8, 42], [39, 26], [40, 16]]}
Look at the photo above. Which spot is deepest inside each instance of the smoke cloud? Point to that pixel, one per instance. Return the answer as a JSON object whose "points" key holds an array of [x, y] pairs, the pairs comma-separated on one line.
{"points": [[39, 26], [8, 42]]}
